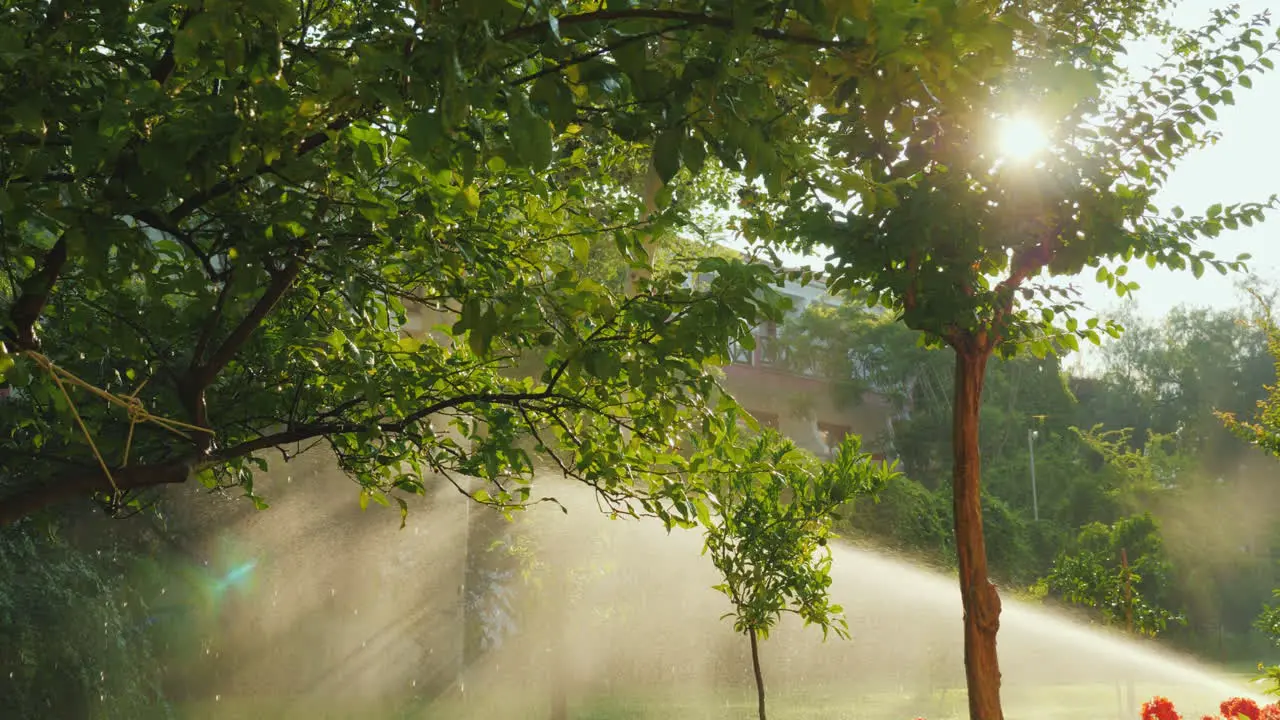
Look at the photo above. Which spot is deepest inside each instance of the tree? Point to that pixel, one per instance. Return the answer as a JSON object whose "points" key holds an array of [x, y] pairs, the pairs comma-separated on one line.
{"points": [[1168, 364], [218, 217], [1269, 622], [1264, 430], [771, 508], [1120, 571], [922, 216], [77, 625]]}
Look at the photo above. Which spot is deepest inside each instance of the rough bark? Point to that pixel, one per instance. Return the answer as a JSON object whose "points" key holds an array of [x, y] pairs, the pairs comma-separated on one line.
{"points": [[980, 599], [755, 665], [83, 483]]}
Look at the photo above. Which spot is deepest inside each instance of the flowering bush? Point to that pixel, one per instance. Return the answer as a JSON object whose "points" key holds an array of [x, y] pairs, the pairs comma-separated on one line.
{"points": [[1160, 708]]}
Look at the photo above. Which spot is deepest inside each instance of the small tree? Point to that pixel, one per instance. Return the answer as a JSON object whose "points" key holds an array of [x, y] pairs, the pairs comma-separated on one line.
{"points": [[767, 527], [1264, 430], [1269, 622], [1117, 570]]}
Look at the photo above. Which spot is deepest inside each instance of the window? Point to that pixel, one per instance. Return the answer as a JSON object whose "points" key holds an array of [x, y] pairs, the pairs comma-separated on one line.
{"points": [[832, 435], [766, 419]]}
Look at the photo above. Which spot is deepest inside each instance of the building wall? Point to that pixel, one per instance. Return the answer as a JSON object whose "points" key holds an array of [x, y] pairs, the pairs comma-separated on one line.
{"points": [[806, 409]]}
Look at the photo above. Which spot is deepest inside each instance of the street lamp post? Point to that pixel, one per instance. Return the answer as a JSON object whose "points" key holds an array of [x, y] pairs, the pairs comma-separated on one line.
{"points": [[1035, 501]]}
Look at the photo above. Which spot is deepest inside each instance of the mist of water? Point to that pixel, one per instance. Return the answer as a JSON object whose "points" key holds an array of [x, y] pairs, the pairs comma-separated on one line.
{"points": [[341, 614]]}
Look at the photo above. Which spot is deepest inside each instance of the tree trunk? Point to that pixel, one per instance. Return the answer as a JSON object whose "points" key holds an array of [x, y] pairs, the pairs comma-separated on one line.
{"points": [[978, 595], [755, 665]]}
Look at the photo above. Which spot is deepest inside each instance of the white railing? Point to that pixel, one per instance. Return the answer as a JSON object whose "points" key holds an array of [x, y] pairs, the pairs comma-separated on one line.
{"points": [[769, 352]]}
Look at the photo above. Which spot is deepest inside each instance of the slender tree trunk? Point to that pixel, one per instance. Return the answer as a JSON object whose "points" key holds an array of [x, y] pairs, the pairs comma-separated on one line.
{"points": [[979, 597], [755, 665]]}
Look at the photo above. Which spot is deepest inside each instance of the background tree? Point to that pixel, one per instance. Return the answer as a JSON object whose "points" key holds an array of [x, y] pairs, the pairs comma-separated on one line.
{"points": [[1264, 430], [939, 228], [78, 626], [1119, 571], [771, 508]]}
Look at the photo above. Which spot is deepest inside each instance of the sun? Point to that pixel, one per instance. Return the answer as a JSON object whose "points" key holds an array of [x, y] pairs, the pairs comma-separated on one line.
{"points": [[1020, 138]]}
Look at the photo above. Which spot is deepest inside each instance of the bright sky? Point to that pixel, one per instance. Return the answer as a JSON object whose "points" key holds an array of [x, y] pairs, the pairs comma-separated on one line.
{"points": [[1243, 167]]}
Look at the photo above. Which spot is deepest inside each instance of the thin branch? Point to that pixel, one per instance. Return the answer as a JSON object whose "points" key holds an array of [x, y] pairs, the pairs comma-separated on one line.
{"points": [[153, 219], [689, 18], [211, 324], [584, 57], [311, 142], [164, 67], [30, 304], [280, 283], [307, 432]]}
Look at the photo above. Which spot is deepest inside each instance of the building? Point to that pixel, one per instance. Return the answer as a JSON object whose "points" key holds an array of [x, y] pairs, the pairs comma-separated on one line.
{"points": [[797, 401]]}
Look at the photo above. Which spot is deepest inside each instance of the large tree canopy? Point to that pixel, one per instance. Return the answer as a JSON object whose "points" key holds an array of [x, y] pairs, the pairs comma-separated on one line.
{"points": [[215, 218]]}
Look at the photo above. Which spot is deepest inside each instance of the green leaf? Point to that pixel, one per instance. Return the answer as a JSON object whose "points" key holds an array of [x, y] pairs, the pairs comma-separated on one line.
{"points": [[551, 91], [694, 153], [666, 154], [531, 136]]}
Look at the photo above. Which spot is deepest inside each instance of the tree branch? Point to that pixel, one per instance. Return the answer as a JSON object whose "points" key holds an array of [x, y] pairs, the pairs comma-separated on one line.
{"points": [[306, 432], [164, 67], [689, 18], [211, 325], [153, 219], [311, 142], [913, 279], [90, 480], [30, 304], [280, 283], [1025, 263], [584, 57]]}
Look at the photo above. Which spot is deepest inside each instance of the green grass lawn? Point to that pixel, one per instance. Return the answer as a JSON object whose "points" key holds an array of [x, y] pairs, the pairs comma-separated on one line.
{"points": [[1059, 702]]}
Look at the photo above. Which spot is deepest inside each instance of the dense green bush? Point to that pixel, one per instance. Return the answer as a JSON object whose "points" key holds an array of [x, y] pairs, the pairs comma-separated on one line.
{"points": [[74, 628]]}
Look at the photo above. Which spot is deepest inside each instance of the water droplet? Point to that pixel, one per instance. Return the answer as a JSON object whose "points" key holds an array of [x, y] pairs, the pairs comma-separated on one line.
{"points": [[216, 698], [412, 684], [163, 590]]}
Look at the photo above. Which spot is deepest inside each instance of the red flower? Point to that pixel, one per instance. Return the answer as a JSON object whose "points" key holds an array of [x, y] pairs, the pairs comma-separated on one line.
{"points": [[1236, 707], [1270, 712], [1160, 708]]}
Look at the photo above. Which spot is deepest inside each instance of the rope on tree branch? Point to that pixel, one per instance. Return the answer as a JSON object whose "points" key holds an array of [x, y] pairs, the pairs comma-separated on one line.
{"points": [[133, 406]]}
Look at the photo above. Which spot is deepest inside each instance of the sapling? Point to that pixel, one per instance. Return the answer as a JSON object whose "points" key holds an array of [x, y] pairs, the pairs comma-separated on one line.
{"points": [[768, 522]]}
